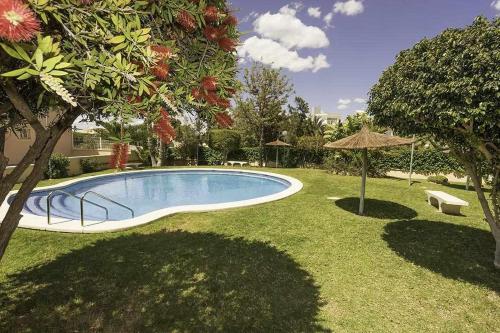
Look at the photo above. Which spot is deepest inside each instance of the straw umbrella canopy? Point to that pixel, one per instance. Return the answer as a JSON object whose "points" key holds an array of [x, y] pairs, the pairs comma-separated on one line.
{"points": [[364, 140], [278, 143]]}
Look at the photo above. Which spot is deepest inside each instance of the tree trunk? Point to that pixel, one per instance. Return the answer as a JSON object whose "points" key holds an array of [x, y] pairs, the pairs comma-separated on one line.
{"points": [[497, 255], [494, 227], [363, 182], [3, 160], [41, 155], [261, 147]]}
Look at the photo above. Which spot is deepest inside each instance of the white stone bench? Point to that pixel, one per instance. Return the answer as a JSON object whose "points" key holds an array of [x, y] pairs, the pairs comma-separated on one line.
{"points": [[133, 165], [241, 163], [446, 203]]}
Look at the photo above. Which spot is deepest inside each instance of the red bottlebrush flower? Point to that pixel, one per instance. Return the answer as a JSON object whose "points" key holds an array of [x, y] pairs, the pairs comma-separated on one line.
{"points": [[209, 83], [231, 20], [212, 98], [164, 129], [211, 14], [197, 94], [160, 70], [17, 21], [186, 20], [223, 103], [163, 52], [119, 156], [224, 120], [231, 91], [211, 33], [227, 44]]}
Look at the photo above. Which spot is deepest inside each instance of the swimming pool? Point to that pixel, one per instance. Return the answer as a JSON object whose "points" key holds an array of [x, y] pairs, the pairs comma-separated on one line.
{"points": [[152, 194]]}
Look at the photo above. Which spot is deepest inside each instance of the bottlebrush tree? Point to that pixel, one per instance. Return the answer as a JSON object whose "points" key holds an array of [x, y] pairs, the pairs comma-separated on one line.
{"points": [[103, 58]]}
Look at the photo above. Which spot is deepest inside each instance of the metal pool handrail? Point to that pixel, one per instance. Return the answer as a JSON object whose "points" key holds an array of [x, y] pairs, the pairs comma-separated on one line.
{"points": [[105, 198], [49, 203]]}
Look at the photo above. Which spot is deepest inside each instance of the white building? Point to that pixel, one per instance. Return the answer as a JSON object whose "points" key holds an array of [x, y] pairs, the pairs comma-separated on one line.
{"points": [[326, 117]]}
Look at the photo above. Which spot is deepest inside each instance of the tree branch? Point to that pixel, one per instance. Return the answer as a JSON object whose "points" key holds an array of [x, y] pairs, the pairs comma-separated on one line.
{"points": [[21, 106]]}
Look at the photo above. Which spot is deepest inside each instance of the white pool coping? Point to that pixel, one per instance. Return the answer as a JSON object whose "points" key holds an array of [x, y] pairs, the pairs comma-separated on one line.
{"points": [[31, 221]]}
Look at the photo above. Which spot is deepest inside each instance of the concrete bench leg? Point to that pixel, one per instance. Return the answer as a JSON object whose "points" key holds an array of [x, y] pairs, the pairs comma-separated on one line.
{"points": [[434, 202], [450, 209]]}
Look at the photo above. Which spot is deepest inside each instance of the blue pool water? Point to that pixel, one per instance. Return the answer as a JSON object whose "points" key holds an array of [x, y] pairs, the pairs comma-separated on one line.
{"points": [[146, 192]]}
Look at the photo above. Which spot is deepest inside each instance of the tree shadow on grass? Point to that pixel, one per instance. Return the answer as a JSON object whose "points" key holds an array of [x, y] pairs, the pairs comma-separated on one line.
{"points": [[454, 251], [164, 282], [379, 209]]}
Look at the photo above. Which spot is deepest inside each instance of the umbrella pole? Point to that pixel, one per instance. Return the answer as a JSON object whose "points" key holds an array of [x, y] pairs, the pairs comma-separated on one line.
{"points": [[411, 161], [277, 152], [363, 182]]}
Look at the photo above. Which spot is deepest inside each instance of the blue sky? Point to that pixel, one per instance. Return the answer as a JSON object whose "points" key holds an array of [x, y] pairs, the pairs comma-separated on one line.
{"points": [[335, 50]]}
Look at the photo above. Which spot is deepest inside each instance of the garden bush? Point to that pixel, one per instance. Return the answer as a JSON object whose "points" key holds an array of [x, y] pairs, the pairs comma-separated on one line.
{"points": [[58, 167], [89, 165], [438, 179], [211, 156], [351, 163]]}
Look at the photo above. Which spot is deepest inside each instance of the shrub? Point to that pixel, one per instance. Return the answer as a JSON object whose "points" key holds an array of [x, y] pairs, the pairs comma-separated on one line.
{"points": [[351, 163], [58, 167], [89, 165], [438, 179], [224, 141], [211, 156]]}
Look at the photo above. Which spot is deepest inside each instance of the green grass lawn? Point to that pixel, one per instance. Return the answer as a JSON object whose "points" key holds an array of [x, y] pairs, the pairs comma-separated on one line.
{"points": [[302, 264]]}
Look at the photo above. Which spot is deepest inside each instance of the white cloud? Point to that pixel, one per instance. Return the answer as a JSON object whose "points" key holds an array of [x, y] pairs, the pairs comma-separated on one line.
{"points": [[276, 55], [328, 20], [360, 111], [287, 10], [360, 100], [496, 4], [287, 29], [315, 12], [349, 7], [344, 101], [342, 106]]}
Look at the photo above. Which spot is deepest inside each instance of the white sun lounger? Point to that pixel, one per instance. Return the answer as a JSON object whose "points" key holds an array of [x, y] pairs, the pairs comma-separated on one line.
{"points": [[446, 203], [241, 163]]}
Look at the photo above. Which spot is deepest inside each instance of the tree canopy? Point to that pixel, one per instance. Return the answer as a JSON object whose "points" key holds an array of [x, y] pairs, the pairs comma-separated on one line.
{"points": [[128, 59], [448, 88]]}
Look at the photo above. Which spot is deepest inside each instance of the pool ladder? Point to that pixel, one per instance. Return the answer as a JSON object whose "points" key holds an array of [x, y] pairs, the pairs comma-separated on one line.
{"points": [[82, 201]]}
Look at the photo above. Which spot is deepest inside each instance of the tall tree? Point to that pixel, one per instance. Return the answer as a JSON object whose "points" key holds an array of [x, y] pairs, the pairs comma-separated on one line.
{"points": [[448, 87], [259, 107], [79, 57], [297, 121]]}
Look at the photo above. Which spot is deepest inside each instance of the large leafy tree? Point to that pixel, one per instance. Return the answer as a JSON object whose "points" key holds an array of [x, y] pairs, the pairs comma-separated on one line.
{"points": [[259, 108], [121, 58], [448, 88]]}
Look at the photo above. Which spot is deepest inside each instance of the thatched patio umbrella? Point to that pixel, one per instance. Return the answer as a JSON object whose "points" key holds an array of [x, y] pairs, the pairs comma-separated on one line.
{"points": [[364, 140], [278, 143]]}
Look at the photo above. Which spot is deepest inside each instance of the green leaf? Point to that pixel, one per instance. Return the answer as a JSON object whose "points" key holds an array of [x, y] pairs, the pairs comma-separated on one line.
{"points": [[117, 40], [62, 65], [58, 73], [49, 64], [38, 56], [45, 44], [22, 53], [16, 72], [24, 76], [10, 51], [120, 47]]}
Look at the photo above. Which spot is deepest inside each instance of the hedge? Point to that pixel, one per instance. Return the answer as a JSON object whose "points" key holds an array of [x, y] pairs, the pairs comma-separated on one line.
{"points": [[426, 162]]}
